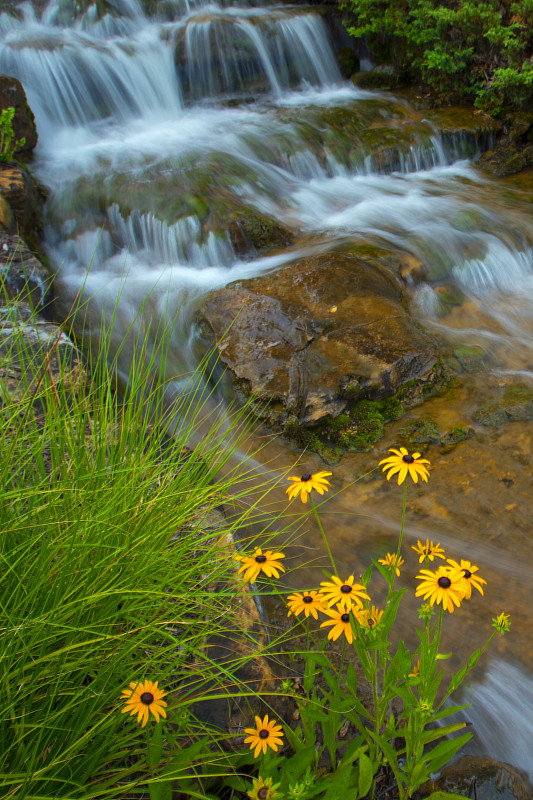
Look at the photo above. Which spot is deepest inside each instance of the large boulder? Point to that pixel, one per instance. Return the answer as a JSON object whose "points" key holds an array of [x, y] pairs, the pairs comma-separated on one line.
{"points": [[309, 341]]}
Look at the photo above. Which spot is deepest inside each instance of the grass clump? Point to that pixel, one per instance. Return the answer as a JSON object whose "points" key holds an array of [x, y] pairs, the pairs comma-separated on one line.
{"points": [[116, 571]]}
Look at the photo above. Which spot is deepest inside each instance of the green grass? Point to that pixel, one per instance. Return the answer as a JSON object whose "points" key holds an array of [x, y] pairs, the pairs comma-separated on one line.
{"points": [[116, 567]]}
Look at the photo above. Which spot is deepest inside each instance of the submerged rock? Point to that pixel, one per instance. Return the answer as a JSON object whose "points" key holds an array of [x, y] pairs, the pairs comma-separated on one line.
{"points": [[312, 341], [484, 778]]}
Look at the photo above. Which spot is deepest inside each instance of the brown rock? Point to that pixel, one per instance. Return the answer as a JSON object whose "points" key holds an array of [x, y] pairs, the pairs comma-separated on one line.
{"points": [[12, 94], [283, 343], [18, 189], [6, 215], [494, 780]]}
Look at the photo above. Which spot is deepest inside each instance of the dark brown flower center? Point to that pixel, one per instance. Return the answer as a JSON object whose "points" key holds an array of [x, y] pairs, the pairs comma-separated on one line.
{"points": [[370, 623], [444, 582], [408, 459], [467, 573], [263, 734], [262, 794], [147, 698], [345, 617], [260, 559], [307, 599], [346, 589], [306, 477]]}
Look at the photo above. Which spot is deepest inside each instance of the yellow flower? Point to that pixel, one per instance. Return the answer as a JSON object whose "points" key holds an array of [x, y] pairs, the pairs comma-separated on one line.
{"points": [[263, 790], [303, 486], [404, 464], [347, 594], [368, 618], [267, 562], [340, 619], [308, 602], [392, 560], [468, 574], [416, 670], [447, 586], [502, 623], [428, 550], [265, 734], [142, 698]]}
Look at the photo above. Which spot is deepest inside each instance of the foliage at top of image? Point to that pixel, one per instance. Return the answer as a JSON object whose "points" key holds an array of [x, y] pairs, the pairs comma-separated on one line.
{"points": [[472, 48], [8, 145]]}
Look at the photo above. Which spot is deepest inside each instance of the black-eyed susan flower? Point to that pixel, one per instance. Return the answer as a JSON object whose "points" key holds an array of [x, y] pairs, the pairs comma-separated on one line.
{"points": [[306, 483], [469, 575], [446, 586], [340, 622], [416, 670], [368, 617], [267, 562], [265, 734], [142, 699], [428, 550], [404, 464], [306, 602], [263, 789], [392, 560], [346, 593], [502, 623]]}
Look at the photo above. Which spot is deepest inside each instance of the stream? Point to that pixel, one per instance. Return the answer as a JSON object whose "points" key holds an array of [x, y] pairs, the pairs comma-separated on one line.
{"points": [[155, 130]]}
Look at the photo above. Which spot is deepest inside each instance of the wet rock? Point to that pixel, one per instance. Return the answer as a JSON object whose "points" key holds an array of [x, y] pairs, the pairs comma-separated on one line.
{"points": [[315, 338], [493, 780], [384, 76], [31, 348], [348, 61], [455, 435], [504, 160], [466, 124], [423, 431], [19, 190], [13, 94], [515, 404], [261, 233]]}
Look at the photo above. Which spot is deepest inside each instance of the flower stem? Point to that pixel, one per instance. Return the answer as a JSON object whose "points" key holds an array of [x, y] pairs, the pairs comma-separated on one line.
{"points": [[323, 535], [400, 539]]}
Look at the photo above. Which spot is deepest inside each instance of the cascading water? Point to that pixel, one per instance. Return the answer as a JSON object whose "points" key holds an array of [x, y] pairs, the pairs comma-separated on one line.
{"points": [[154, 130]]}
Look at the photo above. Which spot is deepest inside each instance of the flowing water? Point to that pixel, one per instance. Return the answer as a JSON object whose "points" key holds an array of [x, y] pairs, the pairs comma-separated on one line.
{"points": [[154, 130]]}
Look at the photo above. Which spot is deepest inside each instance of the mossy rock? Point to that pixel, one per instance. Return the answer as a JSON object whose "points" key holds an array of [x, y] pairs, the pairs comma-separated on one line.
{"points": [[423, 431], [490, 416], [357, 429], [471, 359], [517, 403], [455, 435], [503, 160], [384, 76]]}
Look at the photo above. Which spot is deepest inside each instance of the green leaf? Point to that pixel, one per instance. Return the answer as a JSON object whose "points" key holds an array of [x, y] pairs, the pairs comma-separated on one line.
{"points": [[443, 752], [366, 774], [295, 766], [431, 736]]}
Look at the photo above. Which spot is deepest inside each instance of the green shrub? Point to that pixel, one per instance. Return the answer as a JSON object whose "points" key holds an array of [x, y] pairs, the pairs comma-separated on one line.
{"points": [[472, 48]]}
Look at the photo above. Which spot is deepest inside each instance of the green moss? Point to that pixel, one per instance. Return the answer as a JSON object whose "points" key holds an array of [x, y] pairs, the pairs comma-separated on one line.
{"points": [[423, 431], [517, 403], [456, 435], [471, 359], [491, 416]]}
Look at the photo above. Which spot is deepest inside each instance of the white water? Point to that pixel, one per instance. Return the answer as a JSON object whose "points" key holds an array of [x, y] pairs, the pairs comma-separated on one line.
{"points": [[134, 112]]}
